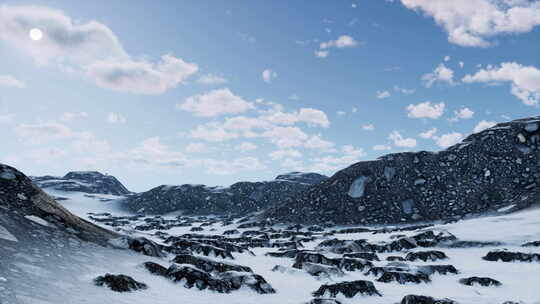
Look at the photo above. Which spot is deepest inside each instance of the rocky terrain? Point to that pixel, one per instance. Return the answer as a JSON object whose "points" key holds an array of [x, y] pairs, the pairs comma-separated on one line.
{"points": [[239, 198], [492, 171], [91, 182], [50, 255]]}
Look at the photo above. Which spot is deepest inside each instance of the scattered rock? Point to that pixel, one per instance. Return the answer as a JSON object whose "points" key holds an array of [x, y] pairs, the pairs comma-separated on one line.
{"points": [[119, 283], [348, 289], [480, 281]]}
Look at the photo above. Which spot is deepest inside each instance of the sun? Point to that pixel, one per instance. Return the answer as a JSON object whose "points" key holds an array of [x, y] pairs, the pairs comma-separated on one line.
{"points": [[36, 34]]}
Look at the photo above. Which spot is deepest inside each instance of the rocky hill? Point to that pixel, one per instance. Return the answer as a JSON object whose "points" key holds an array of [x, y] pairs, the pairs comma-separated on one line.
{"points": [[495, 170], [83, 181], [22, 202], [240, 198]]}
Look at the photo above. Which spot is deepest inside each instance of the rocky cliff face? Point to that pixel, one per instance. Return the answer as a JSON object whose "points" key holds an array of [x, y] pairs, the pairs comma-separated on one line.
{"points": [[240, 198], [83, 181], [22, 201], [496, 170]]}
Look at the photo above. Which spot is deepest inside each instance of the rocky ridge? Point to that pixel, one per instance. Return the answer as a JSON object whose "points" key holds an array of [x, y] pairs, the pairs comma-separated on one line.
{"points": [[495, 170], [239, 198], [91, 182]]}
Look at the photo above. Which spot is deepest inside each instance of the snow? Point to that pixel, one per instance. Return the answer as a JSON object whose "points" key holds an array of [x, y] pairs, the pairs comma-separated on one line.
{"points": [[73, 275], [6, 235], [37, 220], [7, 174], [357, 187]]}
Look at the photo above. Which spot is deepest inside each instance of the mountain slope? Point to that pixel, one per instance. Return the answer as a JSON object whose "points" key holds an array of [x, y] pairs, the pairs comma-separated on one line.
{"points": [[242, 197], [496, 169], [82, 181]]}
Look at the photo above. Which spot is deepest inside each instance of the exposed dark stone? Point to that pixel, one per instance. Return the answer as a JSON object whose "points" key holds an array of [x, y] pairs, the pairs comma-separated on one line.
{"points": [[532, 244], [323, 301], [320, 270], [209, 265], [82, 181], [194, 277], [183, 245], [253, 281], [508, 256], [348, 289], [120, 283], [440, 269], [155, 268], [404, 277], [144, 246], [432, 255], [414, 299], [480, 281], [481, 174], [240, 198], [395, 258]]}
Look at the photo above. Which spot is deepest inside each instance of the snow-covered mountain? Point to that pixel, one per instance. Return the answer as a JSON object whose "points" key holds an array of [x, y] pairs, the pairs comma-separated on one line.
{"points": [[91, 182], [495, 170], [239, 198]]}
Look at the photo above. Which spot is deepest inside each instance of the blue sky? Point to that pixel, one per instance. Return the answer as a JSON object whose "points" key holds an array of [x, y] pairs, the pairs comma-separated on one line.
{"points": [[215, 92]]}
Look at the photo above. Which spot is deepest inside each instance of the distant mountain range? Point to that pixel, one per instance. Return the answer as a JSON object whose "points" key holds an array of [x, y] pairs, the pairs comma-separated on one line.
{"points": [[82, 181]]}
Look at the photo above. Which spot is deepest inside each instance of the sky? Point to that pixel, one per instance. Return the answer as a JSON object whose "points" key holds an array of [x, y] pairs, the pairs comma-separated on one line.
{"points": [[214, 92]]}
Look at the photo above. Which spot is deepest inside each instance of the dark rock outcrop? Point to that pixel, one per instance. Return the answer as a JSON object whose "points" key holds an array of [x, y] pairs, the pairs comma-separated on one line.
{"points": [[348, 289], [432, 255], [508, 256], [480, 281], [120, 282], [414, 299], [491, 171], [18, 195], [82, 181], [240, 198]]}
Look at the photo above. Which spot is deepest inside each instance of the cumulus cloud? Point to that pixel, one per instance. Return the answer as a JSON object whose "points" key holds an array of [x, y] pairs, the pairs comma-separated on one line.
{"points": [[215, 103], [441, 74], [400, 141], [268, 75], [426, 110], [321, 54], [368, 127], [525, 80], [313, 117], [349, 155], [449, 139], [403, 90], [196, 148], [429, 133], [383, 94], [213, 132], [471, 23], [42, 132], [286, 137], [482, 125], [246, 146], [317, 143], [116, 118], [342, 42], [463, 113], [140, 76], [11, 82], [90, 48]]}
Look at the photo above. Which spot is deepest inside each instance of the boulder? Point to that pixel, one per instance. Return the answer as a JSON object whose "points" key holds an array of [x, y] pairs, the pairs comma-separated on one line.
{"points": [[119, 283], [348, 289]]}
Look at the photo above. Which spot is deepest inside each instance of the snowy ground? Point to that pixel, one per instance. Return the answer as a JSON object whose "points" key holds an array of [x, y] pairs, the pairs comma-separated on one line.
{"points": [[66, 276]]}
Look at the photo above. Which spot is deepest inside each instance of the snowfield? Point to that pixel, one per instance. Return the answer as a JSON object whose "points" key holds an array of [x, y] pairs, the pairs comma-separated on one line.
{"points": [[66, 275]]}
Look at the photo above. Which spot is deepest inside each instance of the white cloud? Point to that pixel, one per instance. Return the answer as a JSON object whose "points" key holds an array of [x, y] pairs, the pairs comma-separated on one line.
{"points": [[446, 58], [10, 81], [450, 139], [525, 80], [313, 117], [341, 113], [42, 132], [368, 127], [441, 74], [404, 91], [349, 156], [268, 75], [461, 64], [289, 153], [463, 113], [482, 125], [213, 132], [342, 42], [286, 137], [211, 79], [227, 167], [196, 148], [321, 54], [317, 143], [471, 23], [215, 103], [383, 94], [69, 116], [429, 133], [91, 48], [381, 148], [116, 118], [246, 146], [426, 110], [399, 141]]}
